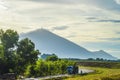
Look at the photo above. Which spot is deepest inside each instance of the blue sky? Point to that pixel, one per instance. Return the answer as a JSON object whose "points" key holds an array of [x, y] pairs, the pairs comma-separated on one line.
{"points": [[93, 24]]}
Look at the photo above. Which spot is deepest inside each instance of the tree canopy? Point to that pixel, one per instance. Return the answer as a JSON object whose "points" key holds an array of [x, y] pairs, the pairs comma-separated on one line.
{"points": [[53, 57], [14, 54]]}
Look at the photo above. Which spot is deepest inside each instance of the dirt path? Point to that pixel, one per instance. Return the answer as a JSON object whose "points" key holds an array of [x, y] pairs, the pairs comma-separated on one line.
{"points": [[47, 77]]}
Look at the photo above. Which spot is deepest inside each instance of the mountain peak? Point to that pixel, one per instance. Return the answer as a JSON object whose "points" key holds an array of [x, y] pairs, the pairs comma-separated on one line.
{"points": [[42, 30], [48, 42]]}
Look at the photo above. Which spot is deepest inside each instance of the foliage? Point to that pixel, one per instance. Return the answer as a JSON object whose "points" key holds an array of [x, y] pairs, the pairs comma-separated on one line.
{"points": [[26, 53], [9, 39], [45, 68], [53, 57], [15, 55], [1, 53]]}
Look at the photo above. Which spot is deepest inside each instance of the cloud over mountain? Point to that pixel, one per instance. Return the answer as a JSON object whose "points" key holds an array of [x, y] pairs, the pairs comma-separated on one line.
{"points": [[60, 28]]}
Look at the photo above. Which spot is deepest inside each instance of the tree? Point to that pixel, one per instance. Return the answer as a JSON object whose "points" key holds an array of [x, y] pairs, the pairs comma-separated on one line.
{"points": [[91, 59], [1, 53], [53, 57], [2, 63], [14, 55], [8, 39], [26, 53]]}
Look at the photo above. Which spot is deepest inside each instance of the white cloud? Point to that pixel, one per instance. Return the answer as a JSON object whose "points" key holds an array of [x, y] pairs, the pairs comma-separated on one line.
{"points": [[2, 6], [25, 13], [117, 1]]}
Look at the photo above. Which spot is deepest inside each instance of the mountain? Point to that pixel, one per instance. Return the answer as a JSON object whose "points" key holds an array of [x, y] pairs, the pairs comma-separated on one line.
{"points": [[103, 54], [48, 42]]}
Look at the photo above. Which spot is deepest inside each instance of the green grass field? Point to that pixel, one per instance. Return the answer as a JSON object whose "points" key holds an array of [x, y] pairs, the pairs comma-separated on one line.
{"points": [[99, 74]]}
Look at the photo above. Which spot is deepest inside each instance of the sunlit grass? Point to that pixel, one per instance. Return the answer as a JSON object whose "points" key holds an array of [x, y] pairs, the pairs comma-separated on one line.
{"points": [[99, 74]]}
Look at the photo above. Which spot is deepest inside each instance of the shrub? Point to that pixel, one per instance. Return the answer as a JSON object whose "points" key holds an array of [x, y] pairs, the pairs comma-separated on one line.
{"points": [[45, 68]]}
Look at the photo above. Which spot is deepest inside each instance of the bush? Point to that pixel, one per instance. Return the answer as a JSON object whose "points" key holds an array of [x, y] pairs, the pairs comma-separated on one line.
{"points": [[46, 68]]}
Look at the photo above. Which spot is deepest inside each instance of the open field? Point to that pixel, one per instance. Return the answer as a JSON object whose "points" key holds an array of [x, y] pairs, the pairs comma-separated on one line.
{"points": [[99, 74]]}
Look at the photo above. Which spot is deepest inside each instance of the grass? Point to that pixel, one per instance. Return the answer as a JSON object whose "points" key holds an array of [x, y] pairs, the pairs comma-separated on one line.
{"points": [[99, 74]]}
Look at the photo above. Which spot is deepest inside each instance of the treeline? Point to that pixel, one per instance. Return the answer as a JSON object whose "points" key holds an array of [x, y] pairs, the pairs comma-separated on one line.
{"points": [[91, 60], [46, 68]]}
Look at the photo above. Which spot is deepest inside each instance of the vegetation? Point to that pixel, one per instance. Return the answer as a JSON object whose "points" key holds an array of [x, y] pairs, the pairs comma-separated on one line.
{"points": [[100, 64], [53, 57], [91, 60], [45, 68], [103, 71], [15, 55], [21, 58], [99, 74]]}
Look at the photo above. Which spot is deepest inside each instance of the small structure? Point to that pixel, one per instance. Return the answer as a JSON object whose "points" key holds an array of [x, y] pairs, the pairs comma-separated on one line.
{"points": [[72, 70], [84, 71], [75, 70]]}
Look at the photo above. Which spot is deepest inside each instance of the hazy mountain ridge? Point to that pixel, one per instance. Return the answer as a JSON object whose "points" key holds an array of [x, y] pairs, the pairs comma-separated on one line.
{"points": [[48, 42], [102, 54]]}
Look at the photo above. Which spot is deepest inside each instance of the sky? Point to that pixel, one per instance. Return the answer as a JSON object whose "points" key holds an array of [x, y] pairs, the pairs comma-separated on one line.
{"points": [[93, 24]]}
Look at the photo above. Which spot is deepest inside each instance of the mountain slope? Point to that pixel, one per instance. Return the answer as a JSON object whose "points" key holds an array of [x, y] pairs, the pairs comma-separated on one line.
{"points": [[47, 42]]}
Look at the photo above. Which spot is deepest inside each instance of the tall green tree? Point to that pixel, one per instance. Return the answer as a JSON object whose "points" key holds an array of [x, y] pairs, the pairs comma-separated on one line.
{"points": [[26, 53], [8, 41], [9, 38]]}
